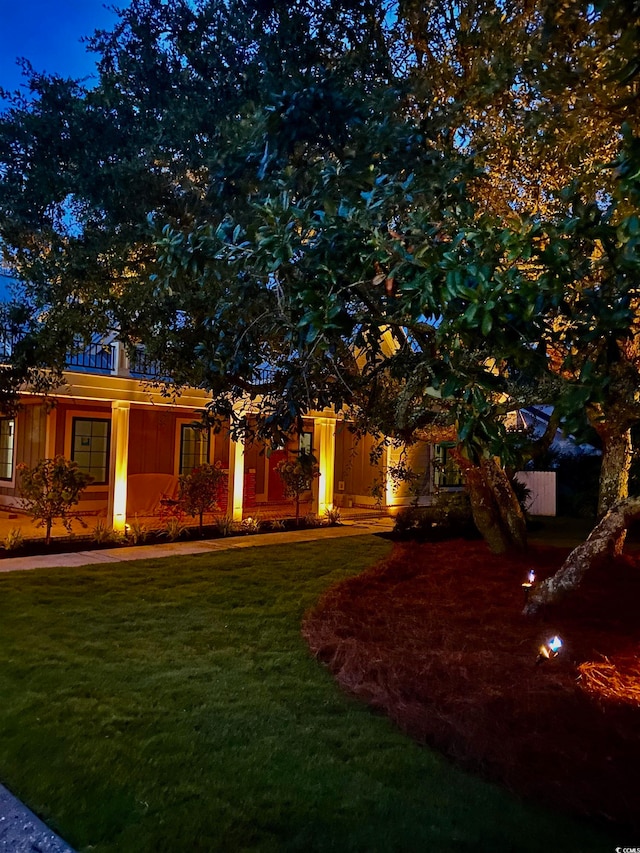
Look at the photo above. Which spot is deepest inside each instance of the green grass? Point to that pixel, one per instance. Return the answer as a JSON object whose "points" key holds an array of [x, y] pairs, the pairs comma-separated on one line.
{"points": [[171, 705]]}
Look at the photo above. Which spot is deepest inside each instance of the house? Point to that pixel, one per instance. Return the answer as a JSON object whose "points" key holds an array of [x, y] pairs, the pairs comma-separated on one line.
{"points": [[117, 425]]}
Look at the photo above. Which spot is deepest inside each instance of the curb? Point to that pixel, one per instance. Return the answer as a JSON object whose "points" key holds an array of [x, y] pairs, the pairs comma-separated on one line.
{"points": [[22, 832]]}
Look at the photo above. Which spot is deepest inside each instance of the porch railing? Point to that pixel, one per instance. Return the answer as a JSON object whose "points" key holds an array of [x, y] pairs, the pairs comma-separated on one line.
{"points": [[143, 367], [95, 358]]}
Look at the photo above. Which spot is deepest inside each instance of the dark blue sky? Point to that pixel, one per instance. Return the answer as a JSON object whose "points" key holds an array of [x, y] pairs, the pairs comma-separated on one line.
{"points": [[48, 33]]}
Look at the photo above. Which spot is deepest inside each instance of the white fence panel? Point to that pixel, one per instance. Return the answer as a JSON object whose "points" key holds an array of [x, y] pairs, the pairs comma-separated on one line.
{"points": [[542, 485]]}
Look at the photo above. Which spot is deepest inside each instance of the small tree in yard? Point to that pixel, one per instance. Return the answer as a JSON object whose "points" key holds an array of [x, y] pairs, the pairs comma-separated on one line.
{"points": [[50, 489], [298, 475], [198, 490]]}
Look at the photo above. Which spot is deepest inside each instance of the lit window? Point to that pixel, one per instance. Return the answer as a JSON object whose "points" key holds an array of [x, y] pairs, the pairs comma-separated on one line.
{"points": [[7, 431], [90, 447], [306, 442], [194, 448], [446, 472]]}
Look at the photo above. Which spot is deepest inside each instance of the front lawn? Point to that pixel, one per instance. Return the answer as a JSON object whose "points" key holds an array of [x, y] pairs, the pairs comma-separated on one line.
{"points": [[172, 705]]}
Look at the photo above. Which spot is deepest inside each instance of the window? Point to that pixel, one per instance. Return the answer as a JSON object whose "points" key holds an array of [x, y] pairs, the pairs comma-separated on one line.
{"points": [[306, 442], [90, 446], [7, 431], [194, 448], [446, 472]]}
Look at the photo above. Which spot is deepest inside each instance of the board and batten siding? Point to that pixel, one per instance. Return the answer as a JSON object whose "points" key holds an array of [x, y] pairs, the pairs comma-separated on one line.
{"points": [[30, 441], [542, 486]]}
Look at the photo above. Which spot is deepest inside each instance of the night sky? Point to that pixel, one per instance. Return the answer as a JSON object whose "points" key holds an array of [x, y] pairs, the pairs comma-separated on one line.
{"points": [[48, 33]]}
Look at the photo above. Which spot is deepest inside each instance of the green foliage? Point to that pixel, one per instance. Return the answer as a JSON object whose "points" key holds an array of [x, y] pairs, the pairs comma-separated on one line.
{"points": [[430, 189], [447, 518], [199, 490], [332, 516], [50, 489], [137, 532], [103, 534], [522, 492], [225, 525], [298, 475], [174, 528], [250, 525], [13, 540]]}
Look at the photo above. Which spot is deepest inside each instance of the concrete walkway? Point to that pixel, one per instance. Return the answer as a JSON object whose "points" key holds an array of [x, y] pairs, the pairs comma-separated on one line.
{"points": [[20, 830], [175, 549]]}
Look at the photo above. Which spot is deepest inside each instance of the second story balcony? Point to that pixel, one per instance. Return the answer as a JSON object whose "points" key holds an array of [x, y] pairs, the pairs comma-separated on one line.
{"points": [[107, 358]]}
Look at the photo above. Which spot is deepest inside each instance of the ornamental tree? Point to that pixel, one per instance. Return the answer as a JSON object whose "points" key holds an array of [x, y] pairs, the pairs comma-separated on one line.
{"points": [[50, 490], [199, 490], [297, 476]]}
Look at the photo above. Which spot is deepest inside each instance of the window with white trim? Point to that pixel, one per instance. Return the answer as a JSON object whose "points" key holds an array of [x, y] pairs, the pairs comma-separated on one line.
{"points": [[194, 448], [90, 439], [7, 435], [446, 473]]}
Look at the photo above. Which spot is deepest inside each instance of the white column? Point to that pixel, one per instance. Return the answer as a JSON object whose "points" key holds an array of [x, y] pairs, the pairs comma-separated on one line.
{"points": [[236, 479], [324, 440], [389, 492], [118, 465]]}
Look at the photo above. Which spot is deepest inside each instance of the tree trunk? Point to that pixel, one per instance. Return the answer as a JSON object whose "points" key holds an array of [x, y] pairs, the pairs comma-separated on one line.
{"points": [[494, 506], [507, 502], [600, 543], [47, 538], [617, 454], [485, 513]]}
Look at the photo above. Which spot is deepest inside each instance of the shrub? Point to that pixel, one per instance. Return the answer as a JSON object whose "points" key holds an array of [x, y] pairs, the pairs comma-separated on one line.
{"points": [[103, 534], [250, 525], [174, 529], [13, 540], [50, 489], [332, 515], [225, 525], [136, 531], [448, 517]]}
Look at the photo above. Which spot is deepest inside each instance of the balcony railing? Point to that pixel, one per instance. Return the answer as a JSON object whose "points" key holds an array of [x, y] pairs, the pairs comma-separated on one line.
{"points": [[143, 367], [108, 358], [95, 358]]}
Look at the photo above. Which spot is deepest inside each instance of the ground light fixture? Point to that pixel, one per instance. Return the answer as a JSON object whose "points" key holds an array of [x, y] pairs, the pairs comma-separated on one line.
{"points": [[526, 586], [549, 649]]}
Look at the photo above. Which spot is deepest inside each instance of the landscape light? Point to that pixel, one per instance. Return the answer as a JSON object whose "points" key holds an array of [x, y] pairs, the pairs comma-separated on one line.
{"points": [[549, 649], [526, 586]]}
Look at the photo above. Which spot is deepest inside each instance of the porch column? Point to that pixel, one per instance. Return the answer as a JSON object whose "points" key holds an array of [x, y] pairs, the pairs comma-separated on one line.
{"points": [[118, 465], [389, 491], [324, 440], [236, 479]]}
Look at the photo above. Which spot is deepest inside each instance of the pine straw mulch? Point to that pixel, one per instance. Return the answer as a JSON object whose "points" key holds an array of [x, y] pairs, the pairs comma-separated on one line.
{"points": [[435, 638]]}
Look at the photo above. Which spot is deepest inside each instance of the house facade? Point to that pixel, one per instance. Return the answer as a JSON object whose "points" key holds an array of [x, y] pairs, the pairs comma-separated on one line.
{"points": [[135, 441]]}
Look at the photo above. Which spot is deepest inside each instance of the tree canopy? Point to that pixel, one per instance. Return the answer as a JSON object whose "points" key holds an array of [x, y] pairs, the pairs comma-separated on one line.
{"points": [[415, 212]]}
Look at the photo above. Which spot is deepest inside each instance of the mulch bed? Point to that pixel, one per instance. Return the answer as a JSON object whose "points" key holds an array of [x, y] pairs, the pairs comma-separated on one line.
{"points": [[435, 638]]}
